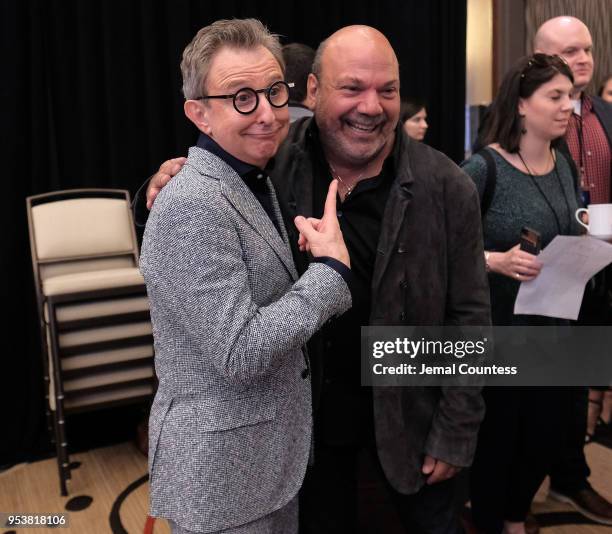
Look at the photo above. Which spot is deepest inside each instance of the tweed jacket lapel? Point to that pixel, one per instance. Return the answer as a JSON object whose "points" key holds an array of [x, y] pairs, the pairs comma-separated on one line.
{"points": [[243, 200]]}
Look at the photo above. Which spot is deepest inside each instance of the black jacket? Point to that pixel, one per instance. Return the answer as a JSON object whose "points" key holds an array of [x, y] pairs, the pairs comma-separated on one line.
{"points": [[603, 110], [429, 271]]}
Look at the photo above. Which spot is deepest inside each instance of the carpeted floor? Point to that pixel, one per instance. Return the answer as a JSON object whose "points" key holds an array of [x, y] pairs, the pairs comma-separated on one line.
{"points": [[110, 488]]}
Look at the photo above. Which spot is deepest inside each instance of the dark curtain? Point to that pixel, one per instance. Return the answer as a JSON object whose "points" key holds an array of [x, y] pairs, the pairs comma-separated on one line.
{"points": [[90, 97]]}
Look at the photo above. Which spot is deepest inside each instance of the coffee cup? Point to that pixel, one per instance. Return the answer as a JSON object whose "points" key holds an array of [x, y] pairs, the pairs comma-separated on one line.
{"points": [[600, 220]]}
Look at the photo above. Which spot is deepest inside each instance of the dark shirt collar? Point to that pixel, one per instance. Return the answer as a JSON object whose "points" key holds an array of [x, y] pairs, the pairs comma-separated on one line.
{"points": [[208, 143]]}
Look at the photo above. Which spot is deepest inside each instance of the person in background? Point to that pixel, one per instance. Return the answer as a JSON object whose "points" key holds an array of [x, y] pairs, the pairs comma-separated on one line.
{"points": [[298, 65], [534, 187], [231, 422], [413, 117], [589, 142], [605, 90]]}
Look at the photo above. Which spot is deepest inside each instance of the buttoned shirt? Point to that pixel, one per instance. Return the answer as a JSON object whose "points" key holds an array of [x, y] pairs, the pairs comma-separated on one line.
{"points": [[590, 150]]}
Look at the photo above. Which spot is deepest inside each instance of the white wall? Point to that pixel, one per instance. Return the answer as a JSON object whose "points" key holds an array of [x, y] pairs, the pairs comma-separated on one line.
{"points": [[479, 64]]}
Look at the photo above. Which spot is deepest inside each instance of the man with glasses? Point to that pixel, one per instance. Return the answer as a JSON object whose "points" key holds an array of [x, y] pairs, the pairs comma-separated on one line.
{"points": [[411, 222], [230, 426], [246, 100]]}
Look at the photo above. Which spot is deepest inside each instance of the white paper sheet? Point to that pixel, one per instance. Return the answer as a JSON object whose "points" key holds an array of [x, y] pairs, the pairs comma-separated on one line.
{"points": [[569, 263]]}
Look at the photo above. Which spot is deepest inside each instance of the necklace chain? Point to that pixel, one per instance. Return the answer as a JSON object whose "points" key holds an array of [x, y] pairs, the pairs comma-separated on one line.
{"points": [[349, 189], [540, 190], [525, 164]]}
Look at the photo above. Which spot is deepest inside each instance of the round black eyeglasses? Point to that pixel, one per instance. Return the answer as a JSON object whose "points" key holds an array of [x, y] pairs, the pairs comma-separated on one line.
{"points": [[246, 99]]}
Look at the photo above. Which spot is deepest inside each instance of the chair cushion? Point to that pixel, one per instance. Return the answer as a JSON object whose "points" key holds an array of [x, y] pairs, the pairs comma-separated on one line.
{"points": [[105, 333], [108, 396], [108, 377], [106, 263], [90, 281], [98, 308], [82, 227], [107, 357]]}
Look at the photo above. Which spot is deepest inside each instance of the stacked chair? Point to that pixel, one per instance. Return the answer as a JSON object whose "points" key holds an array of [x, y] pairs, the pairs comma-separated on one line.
{"points": [[96, 334]]}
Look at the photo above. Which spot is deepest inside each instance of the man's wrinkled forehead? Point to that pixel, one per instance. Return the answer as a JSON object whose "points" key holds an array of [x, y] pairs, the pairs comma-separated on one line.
{"points": [[234, 66], [348, 56]]}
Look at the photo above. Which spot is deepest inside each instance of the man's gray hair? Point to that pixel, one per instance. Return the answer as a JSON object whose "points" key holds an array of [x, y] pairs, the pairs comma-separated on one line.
{"points": [[236, 33]]}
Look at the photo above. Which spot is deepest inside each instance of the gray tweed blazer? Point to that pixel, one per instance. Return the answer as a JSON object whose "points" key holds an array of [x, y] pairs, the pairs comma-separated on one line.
{"points": [[230, 426]]}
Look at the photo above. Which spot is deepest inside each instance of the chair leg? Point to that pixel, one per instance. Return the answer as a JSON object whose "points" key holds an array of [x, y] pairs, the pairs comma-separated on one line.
{"points": [[58, 431], [64, 451], [49, 414], [65, 455], [60, 435]]}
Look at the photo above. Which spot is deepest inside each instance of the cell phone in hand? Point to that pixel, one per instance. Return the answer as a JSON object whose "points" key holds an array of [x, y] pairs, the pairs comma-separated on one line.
{"points": [[530, 241]]}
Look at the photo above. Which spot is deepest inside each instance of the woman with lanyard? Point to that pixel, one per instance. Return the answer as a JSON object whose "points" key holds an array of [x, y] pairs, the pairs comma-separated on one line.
{"points": [[533, 187]]}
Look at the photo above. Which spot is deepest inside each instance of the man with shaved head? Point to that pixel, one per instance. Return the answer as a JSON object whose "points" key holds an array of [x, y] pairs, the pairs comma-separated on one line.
{"points": [[589, 142], [411, 222], [589, 134]]}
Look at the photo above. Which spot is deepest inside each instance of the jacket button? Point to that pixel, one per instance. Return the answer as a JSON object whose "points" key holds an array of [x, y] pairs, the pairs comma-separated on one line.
{"points": [[402, 316], [305, 373], [401, 250], [403, 284]]}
